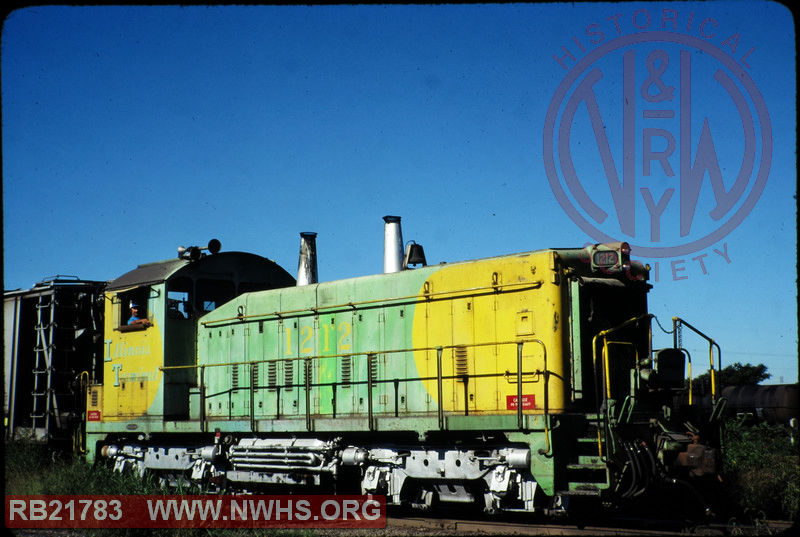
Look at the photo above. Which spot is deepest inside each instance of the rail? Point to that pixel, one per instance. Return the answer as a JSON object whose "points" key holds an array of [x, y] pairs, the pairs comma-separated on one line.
{"points": [[519, 378]]}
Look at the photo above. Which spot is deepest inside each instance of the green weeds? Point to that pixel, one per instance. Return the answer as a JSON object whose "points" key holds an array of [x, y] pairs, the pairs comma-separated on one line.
{"points": [[762, 463], [30, 469]]}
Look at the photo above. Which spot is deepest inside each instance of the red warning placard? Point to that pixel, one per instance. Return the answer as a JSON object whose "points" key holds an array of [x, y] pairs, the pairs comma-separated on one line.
{"points": [[528, 402]]}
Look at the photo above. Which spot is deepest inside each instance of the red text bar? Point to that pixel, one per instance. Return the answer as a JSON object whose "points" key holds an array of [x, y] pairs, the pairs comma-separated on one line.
{"points": [[243, 511]]}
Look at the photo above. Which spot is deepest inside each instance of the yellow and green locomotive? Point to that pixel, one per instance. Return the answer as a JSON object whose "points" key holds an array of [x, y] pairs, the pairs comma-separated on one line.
{"points": [[514, 383]]}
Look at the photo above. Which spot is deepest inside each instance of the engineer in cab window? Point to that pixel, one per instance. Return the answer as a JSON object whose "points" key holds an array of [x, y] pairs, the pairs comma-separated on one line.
{"points": [[138, 315]]}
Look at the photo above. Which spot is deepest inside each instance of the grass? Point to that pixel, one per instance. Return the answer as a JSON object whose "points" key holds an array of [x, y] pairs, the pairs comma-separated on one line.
{"points": [[31, 470], [762, 464]]}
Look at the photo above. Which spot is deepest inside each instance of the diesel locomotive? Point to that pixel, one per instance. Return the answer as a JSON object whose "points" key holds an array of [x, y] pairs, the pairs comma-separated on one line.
{"points": [[523, 382]]}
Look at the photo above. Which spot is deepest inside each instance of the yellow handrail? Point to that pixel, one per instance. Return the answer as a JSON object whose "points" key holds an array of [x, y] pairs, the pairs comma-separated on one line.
{"points": [[606, 368], [676, 321], [603, 335]]}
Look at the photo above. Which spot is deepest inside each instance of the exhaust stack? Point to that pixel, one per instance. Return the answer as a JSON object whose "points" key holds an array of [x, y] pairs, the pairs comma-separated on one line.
{"points": [[307, 265], [392, 245]]}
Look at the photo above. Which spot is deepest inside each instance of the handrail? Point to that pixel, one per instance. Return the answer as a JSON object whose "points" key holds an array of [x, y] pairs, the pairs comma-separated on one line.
{"points": [[603, 335], [308, 368], [253, 388], [689, 370], [371, 355], [676, 321], [370, 425], [606, 372], [439, 386], [79, 440], [424, 297], [546, 372], [348, 354], [605, 360]]}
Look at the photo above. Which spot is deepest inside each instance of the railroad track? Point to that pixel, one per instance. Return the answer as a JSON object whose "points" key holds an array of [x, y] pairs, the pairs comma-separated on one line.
{"points": [[488, 527], [422, 526], [442, 527]]}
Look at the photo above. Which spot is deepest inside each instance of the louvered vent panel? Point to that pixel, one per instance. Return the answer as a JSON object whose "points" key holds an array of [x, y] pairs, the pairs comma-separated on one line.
{"points": [[460, 361]]}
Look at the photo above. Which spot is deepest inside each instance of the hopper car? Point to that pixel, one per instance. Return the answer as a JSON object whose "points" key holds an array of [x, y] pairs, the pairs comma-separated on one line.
{"points": [[524, 382]]}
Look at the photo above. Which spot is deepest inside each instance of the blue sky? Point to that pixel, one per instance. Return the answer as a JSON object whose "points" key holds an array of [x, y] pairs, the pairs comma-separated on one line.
{"points": [[128, 131]]}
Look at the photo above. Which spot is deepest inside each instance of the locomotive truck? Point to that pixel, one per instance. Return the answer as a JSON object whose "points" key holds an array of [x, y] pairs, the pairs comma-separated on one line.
{"points": [[524, 382]]}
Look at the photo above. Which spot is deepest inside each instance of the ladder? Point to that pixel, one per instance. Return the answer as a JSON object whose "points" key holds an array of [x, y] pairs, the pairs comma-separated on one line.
{"points": [[52, 374]]}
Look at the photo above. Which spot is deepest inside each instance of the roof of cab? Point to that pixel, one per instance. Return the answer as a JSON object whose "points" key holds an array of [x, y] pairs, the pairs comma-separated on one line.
{"points": [[248, 265], [148, 274]]}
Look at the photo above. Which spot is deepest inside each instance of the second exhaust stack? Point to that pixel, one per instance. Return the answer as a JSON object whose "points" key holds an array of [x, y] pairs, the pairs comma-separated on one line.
{"points": [[392, 245]]}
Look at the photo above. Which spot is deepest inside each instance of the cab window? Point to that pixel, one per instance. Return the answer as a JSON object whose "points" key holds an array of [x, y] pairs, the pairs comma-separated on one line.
{"points": [[134, 310], [179, 299], [250, 287], [213, 293]]}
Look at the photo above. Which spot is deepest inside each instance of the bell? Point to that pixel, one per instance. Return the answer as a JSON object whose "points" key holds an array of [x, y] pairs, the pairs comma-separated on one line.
{"points": [[415, 255]]}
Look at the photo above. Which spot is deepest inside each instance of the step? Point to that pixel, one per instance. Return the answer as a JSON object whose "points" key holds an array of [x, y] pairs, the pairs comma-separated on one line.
{"points": [[594, 417], [584, 466], [582, 489], [578, 493]]}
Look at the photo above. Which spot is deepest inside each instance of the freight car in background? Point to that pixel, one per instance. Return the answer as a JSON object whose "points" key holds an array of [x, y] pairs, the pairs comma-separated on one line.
{"points": [[52, 341], [524, 382], [776, 403], [754, 403]]}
